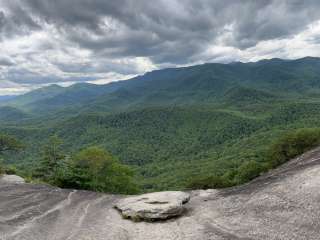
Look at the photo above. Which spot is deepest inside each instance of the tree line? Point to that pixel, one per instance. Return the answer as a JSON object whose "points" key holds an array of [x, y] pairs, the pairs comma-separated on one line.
{"points": [[92, 168]]}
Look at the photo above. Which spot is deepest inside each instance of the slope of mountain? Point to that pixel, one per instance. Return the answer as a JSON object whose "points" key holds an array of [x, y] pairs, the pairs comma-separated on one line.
{"points": [[241, 96], [34, 96], [283, 204], [8, 114], [73, 96], [202, 84]]}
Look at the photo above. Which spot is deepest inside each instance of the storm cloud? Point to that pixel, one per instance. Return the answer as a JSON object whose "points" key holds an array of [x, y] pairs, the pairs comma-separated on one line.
{"points": [[46, 41]]}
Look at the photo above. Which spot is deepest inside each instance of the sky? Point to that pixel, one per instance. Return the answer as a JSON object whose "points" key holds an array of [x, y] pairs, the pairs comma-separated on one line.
{"points": [[63, 42]]}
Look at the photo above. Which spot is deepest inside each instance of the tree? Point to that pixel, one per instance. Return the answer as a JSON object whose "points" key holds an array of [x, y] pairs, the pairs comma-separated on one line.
{"points": [[52, 157], [248, 171], [96, 169], [8, 143], [293, 144]]}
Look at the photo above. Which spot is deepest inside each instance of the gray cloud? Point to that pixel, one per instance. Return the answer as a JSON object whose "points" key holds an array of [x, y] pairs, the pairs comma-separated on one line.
{"points": [[277, 19], [25, 76], [14, 20], [5, 61], [168, 29], [81, 39], [101, 67]]}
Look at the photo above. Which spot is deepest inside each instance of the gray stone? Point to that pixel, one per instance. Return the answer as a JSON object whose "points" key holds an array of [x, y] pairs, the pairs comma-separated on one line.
{"points": [[12, 179], [153, 206]]}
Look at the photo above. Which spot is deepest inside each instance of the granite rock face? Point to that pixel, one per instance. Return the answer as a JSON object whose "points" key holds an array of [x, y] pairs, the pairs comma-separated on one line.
{"points": [[153, 206], [12, 179], [283, 204]]}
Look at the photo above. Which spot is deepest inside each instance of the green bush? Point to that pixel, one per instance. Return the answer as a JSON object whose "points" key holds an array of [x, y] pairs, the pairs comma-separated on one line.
{"points": [[209, 183], [7, 144], [245, 173], [96, 169], [10, 170], [293, 144], [285, 148], [248, 171], [49, 164]]}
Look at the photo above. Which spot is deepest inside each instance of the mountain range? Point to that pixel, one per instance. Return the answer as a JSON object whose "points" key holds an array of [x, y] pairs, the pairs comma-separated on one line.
{"points": [[173, 124]]}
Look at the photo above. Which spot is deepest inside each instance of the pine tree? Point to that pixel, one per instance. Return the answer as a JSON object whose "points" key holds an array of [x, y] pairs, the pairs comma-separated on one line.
{"points": [[8, 143], [52, 157]]}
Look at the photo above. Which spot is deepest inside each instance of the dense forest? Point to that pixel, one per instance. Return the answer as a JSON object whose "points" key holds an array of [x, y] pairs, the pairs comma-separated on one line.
{"points": [[205, 126]]}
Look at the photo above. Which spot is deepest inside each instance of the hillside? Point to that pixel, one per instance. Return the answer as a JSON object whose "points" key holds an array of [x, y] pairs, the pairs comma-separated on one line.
{"points": [[8, 114], [282, 204], [34, 96], [176, 124]]}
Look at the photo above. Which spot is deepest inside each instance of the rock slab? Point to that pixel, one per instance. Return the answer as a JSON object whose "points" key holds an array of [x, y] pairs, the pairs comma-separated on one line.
{"points": [[153, 206], [281, 204], [12, 179]]}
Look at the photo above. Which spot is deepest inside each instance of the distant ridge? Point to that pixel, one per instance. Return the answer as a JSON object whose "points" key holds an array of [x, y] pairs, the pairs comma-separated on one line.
{"points": [[6, 98], [199, 84]]}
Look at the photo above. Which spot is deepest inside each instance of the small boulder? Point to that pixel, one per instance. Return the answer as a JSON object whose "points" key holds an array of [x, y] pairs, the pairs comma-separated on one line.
{"points": [[153, 206], [12, 179]]}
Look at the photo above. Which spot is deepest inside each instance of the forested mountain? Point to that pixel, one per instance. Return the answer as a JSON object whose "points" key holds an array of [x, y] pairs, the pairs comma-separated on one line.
{"points": [[203, 84], [174, 124], [11, 114]]}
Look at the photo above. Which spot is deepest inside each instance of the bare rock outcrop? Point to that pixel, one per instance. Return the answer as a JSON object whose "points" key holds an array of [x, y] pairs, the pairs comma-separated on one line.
{"points": [[11, 179], [153, 206], [283, 204]]}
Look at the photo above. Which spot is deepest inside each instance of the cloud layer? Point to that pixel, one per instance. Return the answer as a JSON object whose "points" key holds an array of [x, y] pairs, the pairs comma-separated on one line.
{"points": [[44, 41]]}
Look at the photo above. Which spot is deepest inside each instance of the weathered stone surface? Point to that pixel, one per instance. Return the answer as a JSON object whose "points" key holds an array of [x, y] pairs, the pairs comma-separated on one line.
{"points": [[12, 179], [283, 204], [153, 206]]}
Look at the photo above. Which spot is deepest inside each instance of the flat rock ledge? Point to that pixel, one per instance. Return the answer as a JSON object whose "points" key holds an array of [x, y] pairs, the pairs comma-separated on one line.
{"points": [[11, 179], [153, 206]]}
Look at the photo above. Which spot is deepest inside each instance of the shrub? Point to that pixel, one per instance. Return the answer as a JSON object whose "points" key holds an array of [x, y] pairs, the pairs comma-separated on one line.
{"points": [[293, 144], [285, 148], [210, 182], [10, 170], [96, 169], [7, 144], [50, 162], [248, 171]]}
